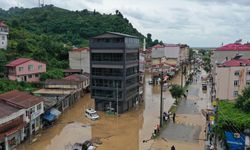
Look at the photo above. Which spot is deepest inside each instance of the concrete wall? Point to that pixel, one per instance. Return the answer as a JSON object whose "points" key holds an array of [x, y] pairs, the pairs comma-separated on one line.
{"points": [[3, 38], [79, 60]]}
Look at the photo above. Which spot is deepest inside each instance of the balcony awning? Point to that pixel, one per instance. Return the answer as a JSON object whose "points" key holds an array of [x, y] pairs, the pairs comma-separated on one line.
{"points": [[49, 117], [55, 112]]}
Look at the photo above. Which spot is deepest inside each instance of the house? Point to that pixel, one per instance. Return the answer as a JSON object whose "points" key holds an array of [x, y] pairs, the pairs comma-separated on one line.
{"points": [[231, 78], [81, 78], [79, 59], [60, 93], [31, 104], [12, 124], [4, 31], [114, 69], [68, 72], [25, 69]]}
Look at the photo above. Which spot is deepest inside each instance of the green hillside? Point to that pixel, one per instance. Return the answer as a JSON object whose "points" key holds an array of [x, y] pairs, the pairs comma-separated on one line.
{"points": [[47, 33]]}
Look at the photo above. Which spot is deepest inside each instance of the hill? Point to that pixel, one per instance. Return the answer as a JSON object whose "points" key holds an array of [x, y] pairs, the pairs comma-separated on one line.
{"points": [[47, 33]]}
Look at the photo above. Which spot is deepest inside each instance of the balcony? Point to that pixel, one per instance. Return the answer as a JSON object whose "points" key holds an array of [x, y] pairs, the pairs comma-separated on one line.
{"points": [[107, 62]]}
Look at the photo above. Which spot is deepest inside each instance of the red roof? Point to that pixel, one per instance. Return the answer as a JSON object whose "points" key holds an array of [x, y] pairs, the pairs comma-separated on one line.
{"points": [[80, 49], [236, 63], [17, 62], [21, 99], [2, 24], [6, 109], [235, 47]]}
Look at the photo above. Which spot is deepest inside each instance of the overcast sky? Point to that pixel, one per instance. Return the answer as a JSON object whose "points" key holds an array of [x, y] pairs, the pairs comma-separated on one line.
{"points": [[195, 22]]}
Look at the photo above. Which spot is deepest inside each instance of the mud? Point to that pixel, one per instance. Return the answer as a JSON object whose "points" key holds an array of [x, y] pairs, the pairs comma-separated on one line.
{"points": [[125, 132]]}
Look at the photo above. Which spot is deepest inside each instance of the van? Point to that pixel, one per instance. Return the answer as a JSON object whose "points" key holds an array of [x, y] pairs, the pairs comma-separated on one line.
{"points": [[91, 114]]}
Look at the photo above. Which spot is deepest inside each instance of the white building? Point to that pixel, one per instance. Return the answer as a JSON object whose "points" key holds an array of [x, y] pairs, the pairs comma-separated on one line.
{"points": [[4, 31], [79, 59]]}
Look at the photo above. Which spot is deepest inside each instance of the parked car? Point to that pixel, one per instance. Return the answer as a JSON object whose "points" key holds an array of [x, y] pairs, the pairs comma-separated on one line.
{"points": [[150, 82], [91, 114]]}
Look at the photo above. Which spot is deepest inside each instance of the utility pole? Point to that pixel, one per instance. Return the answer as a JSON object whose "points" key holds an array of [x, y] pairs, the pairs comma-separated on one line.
{"points": [[216, 123], [161, 103], [117, 99], [181, 74]]}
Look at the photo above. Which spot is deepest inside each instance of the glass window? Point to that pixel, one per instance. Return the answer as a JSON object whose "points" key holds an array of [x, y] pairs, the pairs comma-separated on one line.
{"points": [[20, 68], [247, 82], [39, 106], [248, 72], [236, 82], [30, 76], [30, 67], [40, 67], [37, 75], [236, 73], [235, 93]]}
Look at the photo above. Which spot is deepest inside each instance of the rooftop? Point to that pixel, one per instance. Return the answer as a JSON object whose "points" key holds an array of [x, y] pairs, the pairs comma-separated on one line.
{"points": [[80, 49], [166, 45], [17, 62], [72, 70], [234, 47], [60, 82], [116, 34], [77, 77], [7, 109], [21, 99], [2, 24], [53, 91], [236, 63]]}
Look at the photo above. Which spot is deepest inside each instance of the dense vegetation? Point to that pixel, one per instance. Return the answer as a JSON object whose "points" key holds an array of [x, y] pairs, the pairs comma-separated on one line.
{"points": [[47, 33], [206, 57], [233, 118], [7, 85], [243, 100]]}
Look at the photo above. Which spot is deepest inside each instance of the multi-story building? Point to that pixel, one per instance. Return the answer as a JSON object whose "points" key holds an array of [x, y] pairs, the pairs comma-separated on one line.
{"points": [[79, 59], [31, 104], [12, 123], [25, 69], [114, 64], [4, 31], [231, 78]]}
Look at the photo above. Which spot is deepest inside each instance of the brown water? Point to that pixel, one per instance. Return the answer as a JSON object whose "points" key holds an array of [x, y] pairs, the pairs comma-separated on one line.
{"points": [[125, 132]]}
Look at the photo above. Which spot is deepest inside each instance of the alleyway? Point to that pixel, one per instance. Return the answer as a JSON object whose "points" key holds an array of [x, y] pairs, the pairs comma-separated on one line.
{"points": [[125, 132], [188, 130]]}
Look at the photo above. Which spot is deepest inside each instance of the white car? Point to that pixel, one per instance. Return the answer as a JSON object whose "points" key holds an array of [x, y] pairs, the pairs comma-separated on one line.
{"points": [[91, 114]]}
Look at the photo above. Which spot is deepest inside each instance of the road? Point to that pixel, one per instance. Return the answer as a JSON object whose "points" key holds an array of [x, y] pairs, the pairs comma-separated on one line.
{"points": [[125, 132], [188, 130]]}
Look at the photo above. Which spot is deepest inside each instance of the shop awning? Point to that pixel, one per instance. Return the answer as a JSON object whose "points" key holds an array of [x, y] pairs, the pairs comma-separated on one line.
{"points": [[49, 117], [55, 112]]}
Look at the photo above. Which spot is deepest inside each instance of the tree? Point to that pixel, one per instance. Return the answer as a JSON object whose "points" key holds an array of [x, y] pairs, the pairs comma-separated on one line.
{"points": [[52, 74], [176, 92], [149, 40], [243, 100]]}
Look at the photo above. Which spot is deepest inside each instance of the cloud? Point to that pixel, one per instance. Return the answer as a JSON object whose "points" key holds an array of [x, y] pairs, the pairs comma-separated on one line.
{"points": [[195, 22]]}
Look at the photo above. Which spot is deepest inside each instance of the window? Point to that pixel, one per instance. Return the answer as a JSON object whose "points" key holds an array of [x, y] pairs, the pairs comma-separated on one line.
{"points": [[30, 76], [39, 106], [248, 72], [32, 110], [37, 75], [236, 73], [30, 67], [3, 37], [40, 67], [235, 93], [20, 68], [247, 82], [236, 82]]}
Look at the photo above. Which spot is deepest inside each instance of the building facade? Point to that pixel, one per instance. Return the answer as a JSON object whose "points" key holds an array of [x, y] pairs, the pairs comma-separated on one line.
{"points": [[79, 59], [4, 31], [12, 123], [231, 78], [25, 69], [114, 63], [31, 104]]}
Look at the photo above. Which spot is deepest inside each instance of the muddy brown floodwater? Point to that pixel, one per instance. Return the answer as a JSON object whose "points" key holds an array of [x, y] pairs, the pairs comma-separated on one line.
{"points": [[125, 132]]}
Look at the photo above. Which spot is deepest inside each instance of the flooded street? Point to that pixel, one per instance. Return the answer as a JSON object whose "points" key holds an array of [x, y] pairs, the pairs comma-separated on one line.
{"points": [[125, 132]]}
